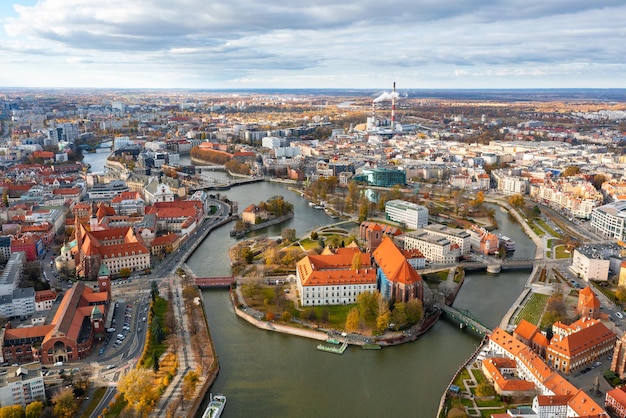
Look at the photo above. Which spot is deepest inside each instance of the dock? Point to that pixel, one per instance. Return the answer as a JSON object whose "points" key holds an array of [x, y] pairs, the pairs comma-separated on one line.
{"points": [[333, 349]]}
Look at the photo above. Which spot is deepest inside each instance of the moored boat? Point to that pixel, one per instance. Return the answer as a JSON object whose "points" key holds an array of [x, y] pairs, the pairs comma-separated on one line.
{"points": [[508, 243], [215, 407]]}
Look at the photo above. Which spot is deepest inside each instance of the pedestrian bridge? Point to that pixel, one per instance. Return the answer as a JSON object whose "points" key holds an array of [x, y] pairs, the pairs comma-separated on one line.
{"points": [[466, 319]]}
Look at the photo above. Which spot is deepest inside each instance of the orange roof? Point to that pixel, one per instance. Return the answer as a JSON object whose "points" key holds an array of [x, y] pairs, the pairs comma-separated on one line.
{"points": [[526, 330], [589, 299], [585, 335], [67, 192], [164, 239], [585, 406], [321, 270], [393, 263]]}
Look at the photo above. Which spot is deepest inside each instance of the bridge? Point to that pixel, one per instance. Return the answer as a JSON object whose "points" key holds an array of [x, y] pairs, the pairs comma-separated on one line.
{"points": [[201, 168], [214, 282], [465, 319], [225, 185]]}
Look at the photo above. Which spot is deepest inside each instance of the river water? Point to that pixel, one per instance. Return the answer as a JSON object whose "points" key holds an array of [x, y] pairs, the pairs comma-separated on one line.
{"points": [[265, 374]]}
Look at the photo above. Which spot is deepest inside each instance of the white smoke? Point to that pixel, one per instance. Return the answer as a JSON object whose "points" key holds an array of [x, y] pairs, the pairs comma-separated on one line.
{"points": [[387, 96]]}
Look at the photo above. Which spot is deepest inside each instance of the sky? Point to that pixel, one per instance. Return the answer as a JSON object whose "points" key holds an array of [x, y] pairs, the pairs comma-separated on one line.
{"points": [[356, 44]]}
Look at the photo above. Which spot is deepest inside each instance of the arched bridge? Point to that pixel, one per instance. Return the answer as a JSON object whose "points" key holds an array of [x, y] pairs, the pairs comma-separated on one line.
{"points": [[213, 282], [466, 319]]}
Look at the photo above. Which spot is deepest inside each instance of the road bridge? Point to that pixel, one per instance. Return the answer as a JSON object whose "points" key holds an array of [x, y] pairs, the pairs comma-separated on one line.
{"points": [[225, 185], [466, 319], [214, 282]]}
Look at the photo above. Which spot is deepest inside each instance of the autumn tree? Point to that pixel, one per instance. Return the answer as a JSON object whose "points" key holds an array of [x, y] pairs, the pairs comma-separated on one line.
{"points": [[65, 405], [398, 315], [485, 388], [33, 409], [570, 171], [353, 320], [12, 411], [138, 389], [356, 261], [190, 381], [516, 200], [288, 234], [414, 311], [620, 293], [555, 310], [367, 305], [598, 180]]}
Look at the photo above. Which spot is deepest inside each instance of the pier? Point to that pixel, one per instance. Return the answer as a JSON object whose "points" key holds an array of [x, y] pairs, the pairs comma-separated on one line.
{"points": [[214, 282]]}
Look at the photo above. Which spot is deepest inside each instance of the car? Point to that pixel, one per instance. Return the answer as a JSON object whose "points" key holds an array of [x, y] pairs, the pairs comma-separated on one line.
{"points": [[619, 315], [58, 364], [110, 366]]}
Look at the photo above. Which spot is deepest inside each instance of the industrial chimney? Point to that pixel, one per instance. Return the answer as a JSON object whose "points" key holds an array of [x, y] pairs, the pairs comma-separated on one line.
{"points": [[393, 107]]}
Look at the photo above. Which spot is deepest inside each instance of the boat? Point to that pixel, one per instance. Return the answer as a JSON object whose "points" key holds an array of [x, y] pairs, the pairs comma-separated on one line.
{"points": [[371, 347], [333, 341], [215, 407], [318, 207]]}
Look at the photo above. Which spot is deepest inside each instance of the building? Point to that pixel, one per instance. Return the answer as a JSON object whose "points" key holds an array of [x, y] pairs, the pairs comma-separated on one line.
{"points": [[78, 322], [19, 304], [408, 214], [618, 364], [158, 192], [28, 245], [44, 299], [372, 234], [396, 279], [483, 241], [117, 248], [594, 261], [578, 345], [250, 214], [609, 220], [436, 250], [21, 385], [128, 203], [457, 236], [615, 401], [531, 335], [588, 304], [549, 383], [502, 373], [5, 248], [12, 274], [330, 279], [382, 177], [107, 191]]}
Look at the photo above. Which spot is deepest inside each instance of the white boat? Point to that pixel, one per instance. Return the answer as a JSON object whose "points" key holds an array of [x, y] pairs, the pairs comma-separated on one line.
{"points": [[215, 407], [509, 244]]}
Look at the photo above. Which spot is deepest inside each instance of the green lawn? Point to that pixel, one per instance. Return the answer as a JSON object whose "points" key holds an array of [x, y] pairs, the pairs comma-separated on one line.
{"points": [[545, 226], [159, 310], [540, 232], [462, 376], [478, 375], [561, 252], [533, 309], [309, 244]]}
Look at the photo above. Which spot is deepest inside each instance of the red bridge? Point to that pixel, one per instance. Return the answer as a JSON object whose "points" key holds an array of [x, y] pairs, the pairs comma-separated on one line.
{"points": [[207, 282]]}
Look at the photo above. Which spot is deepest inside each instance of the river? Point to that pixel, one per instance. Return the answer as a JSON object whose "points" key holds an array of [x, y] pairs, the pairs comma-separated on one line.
{"points": [[265, 374]]}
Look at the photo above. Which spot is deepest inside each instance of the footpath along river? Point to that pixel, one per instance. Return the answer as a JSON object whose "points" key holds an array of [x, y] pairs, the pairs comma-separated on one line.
{"points": [[265, 374]]}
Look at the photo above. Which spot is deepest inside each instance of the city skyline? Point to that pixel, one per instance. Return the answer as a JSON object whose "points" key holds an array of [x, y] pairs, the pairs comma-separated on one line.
{"points": [[341, 44]]}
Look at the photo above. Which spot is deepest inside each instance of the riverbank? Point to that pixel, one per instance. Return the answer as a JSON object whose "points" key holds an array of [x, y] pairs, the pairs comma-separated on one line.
{"points": [[256, 227]]}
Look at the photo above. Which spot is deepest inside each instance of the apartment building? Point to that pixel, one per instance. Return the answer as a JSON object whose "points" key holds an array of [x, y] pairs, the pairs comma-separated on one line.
{"points": [[437, 250], [409, 214], [609, 220]]}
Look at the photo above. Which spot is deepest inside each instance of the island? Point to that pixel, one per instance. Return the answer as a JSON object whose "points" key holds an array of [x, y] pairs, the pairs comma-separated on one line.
{"points": [[254, 217]]}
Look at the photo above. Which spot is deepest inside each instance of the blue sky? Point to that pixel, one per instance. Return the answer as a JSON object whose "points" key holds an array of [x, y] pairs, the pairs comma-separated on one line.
{"points": [[324, 44]]}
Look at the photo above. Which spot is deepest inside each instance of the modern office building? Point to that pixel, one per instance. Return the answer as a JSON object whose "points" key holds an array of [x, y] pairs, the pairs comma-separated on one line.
{"points": [[411, 215], [609, 220]]}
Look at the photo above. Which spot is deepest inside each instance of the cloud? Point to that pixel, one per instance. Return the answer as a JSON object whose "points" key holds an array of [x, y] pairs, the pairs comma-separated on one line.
{"points": [[245, 41]]}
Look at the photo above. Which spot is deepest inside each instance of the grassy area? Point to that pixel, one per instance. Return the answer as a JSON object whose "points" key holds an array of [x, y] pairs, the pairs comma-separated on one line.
{"points": [[550, 243], [337, 314], [478, 375], [540, 232], [158, 309], [489, 402], [116, 408], [533, 309], [607, 292], [94, 401], [487, 413], [441, 276], [309, 244], [545, 226], [561, 252], [462, 376]]}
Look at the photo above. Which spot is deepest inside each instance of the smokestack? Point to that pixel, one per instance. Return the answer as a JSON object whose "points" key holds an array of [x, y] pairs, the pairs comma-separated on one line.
{"points": [[393, 107]]}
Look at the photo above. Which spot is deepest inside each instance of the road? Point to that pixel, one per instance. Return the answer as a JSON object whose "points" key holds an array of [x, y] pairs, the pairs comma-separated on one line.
{"points": [[136, 293]]}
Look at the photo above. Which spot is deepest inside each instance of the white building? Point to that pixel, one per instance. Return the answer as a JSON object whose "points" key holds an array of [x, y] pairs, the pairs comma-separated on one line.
{"points": [[22, 385], [409, 214], [158, 192], [609, 220], [436, 249], [593, 262], [457, 236]]}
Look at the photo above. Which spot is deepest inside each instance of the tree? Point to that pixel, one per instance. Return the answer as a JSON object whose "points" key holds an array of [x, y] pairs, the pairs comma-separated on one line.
{"points": [[598, 180], [382, 320], [414, 311], [314, 235], [367, 304], [190, 381], [356, 262], [516, 200], [620, 293], [289, 234], [154, 290], [125, 272], [65, 405], [570, 171], [353, 320], [33, 409], [139, 390], [485, 389], [398, 316], [12, 411]]}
